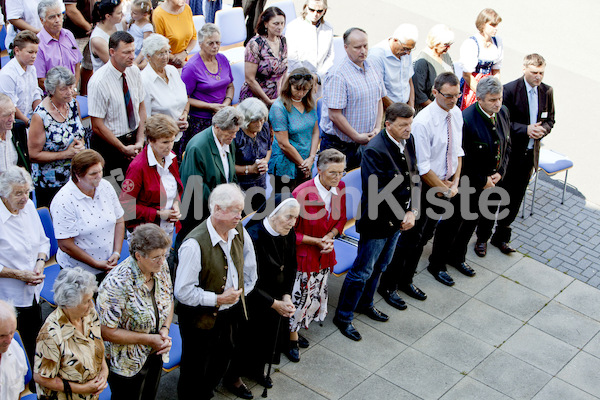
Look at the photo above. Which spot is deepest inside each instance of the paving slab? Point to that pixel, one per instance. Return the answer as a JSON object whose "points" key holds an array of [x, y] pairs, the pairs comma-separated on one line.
{"points": [[593, 347], [470, 389], [285, 387], [581, 297], [377, 388], [583, 372], [538, 277], [420, 374], [509, 375], [557, 389], [473, 285], [441, 300], [495, 261]]}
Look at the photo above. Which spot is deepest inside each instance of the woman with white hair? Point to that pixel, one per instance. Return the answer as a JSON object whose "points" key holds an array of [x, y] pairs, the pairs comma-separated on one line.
{"points": [[165, 91], [55, 136], [431, 62], [253, 148], [24, 249], [69, 355]]}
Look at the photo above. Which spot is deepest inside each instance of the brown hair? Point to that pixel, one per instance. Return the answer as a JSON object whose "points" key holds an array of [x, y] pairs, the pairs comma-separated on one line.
{"points": [[24, 38], [265, 17], [83, 161], [305, 9], [286, 89], [160, 126], [487, 15]]}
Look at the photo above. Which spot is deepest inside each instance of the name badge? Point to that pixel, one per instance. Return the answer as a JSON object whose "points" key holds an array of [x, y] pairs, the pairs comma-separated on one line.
{"points": [[544, 115]]}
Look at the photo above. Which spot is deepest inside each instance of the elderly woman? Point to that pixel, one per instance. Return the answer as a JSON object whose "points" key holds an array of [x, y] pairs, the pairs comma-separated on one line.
{"points": [[153, 188], [208, 80], [294, 120], [480, 55], [69, 355], [253, 148], [57, 45], [431, 62], [23, 251], [173, 19], [55, 136], [13, 144], [135, 303], [323, 204], [266, 58], [270, 303], [88, 218], [105, 15], [165, 91]]}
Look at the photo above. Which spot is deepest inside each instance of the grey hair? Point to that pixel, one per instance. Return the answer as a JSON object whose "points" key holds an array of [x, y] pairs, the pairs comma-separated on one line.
{"points": [[45, 5], [252, 109], [71, 285], [224, 196], [7, 311], [57, 77], [330, 156], [5, 100], [13, 175], [148, 237], [153, 43], [206, 31], [488, 85], [228, 118], [406, 32], [440, 33]]}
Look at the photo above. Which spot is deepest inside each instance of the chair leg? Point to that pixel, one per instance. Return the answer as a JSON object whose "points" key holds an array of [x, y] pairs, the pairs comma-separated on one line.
{"points": [[564, 187], [534, 189], [524, 203]]}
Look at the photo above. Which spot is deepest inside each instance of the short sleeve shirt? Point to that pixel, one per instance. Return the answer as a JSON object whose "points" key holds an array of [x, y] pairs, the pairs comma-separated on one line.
{"points": [[396, 71], [52, 53], [20, 85]]}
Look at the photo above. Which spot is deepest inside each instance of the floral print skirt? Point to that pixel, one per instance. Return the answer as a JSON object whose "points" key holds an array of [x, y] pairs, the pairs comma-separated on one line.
{"points": [[310, 296]]}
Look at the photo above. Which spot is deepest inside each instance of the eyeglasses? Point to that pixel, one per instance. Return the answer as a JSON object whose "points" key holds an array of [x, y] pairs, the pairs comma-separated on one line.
{"points": [[315, 11], [158, 258], [298, 77], [336, 174], [211, 44], [405, 49], [451, 96], [447, 44]]}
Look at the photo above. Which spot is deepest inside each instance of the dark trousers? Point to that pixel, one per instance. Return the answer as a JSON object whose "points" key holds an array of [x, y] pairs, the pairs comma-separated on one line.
{"points": [[206, 354], [141, 386], [115, 162], [29, 322], [353, 151], [44, 196], [252, 10], [515, 183]]}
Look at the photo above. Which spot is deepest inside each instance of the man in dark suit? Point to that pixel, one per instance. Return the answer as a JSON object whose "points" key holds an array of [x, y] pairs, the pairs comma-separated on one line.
{"points": [[388, 167], [486, 143], [531, 106]]}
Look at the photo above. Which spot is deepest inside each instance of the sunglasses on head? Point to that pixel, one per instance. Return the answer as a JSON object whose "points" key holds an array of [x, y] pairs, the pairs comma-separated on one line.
{"points": [[298, 77]]}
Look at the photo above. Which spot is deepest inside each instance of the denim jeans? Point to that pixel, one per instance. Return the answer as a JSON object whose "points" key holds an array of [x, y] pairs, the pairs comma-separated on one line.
{"points": [[358, 289], [211, 7]]}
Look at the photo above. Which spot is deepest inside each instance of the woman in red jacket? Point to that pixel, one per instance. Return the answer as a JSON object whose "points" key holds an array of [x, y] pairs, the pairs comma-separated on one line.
{"points": [[151, 191], [322, 217]]}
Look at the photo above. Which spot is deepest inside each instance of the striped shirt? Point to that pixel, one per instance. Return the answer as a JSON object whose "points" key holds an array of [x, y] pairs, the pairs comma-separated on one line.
{"points": [[355, 91], [106, 100]]}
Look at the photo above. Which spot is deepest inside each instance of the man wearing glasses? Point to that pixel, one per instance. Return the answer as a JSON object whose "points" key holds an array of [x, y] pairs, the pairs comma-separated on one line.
{"points": [[393, 58]]}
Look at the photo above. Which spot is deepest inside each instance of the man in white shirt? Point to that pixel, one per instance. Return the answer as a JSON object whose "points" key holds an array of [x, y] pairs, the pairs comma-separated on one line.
{"points": [[392, 57], [13, 364], [217, 270], [116, 105]]}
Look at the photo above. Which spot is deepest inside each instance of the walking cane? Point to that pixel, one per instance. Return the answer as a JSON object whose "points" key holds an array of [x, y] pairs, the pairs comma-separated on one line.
{"points": [[264, 393]]}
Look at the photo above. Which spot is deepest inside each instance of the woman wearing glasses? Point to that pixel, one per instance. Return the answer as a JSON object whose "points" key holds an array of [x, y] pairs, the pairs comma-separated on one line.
{"points": [[322, 217], [135, 306], [431, 62], [293, 118]]}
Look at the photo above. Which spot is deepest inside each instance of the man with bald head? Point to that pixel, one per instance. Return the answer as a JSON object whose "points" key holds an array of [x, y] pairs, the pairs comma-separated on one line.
{"points": [[352, 105], [13, 365]]}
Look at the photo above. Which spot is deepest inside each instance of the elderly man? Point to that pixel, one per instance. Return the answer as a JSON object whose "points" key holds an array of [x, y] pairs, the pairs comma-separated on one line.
{"points": [[13, 145], [437, 132], [531, 106], [13, 364], [486, 143], [352, 105], [216, 272], [116, 105], [387, 171], [393, 58], [57, 45]]}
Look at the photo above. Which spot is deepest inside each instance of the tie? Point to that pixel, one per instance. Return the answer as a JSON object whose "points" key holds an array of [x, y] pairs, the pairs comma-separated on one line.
{"points": [[533, 111], [449, 147], [128, 105]]}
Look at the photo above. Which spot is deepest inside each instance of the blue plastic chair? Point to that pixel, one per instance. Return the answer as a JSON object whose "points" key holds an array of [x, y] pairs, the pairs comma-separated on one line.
{"points": [[3, 38], [199, 22], [124, 251], [44, 214], [29, 374], [231, 23], [47, 293], [345, 254], [176, 349], [239, 77], [288, 9], [339, 51], [83, 106]]}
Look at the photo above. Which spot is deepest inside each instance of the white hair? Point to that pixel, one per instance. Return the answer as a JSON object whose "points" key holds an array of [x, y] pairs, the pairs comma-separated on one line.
{"points": [[252, 109], [153, 43], [439, 33], [71, 285], [44, 5], [406, 32], [224, 196], [7, 311], [13, 175]]}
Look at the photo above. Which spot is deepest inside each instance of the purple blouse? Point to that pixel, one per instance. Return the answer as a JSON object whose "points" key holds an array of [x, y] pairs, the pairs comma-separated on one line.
{"points": [[203, 85], [270, 68]]}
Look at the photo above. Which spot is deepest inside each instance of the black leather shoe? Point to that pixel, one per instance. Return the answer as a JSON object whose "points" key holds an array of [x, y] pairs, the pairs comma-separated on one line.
{"points": [[413, 292], [504, 247], [441, 276], [465, 269], [392, 298], [348, 330], [264, 381], [375, 314], [241, 391], [293, 354], [481, 249], [302, 342]]}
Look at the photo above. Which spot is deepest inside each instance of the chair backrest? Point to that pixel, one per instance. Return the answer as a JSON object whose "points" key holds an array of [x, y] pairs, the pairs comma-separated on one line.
{"points": [[239, 77], [288, 9], [3, 38], [319, 111], [29, 373], [231, 23], [44, 214], [199, 22], [83, 106], [339, 52], [353, 192]]}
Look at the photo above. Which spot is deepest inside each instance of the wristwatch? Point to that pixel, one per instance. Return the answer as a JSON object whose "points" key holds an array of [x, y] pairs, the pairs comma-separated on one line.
{"points": [[448, 193], [415, 212]]}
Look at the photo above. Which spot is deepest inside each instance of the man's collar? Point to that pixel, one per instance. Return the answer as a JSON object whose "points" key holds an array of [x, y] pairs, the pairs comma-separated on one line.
{"points": [[484, 113], [400, 144], [225, 147], [215, 238], [528, 87]]}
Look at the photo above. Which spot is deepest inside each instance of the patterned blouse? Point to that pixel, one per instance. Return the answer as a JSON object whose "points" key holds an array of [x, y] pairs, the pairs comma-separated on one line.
{"points": [[63, 351], [125, 302], [270, 69], [59, 136]]}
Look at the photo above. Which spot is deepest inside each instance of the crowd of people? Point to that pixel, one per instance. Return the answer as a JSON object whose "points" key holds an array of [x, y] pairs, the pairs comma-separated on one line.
{"points": [[169, 168]]}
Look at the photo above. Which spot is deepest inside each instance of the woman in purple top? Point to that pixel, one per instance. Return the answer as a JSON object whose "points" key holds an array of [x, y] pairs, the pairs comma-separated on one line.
{"points": [[266, 58], [207, 77]]}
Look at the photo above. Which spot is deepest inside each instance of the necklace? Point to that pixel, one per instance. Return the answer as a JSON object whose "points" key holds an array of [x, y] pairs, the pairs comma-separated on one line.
{"points": [[296, 101], [57, 110]]}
